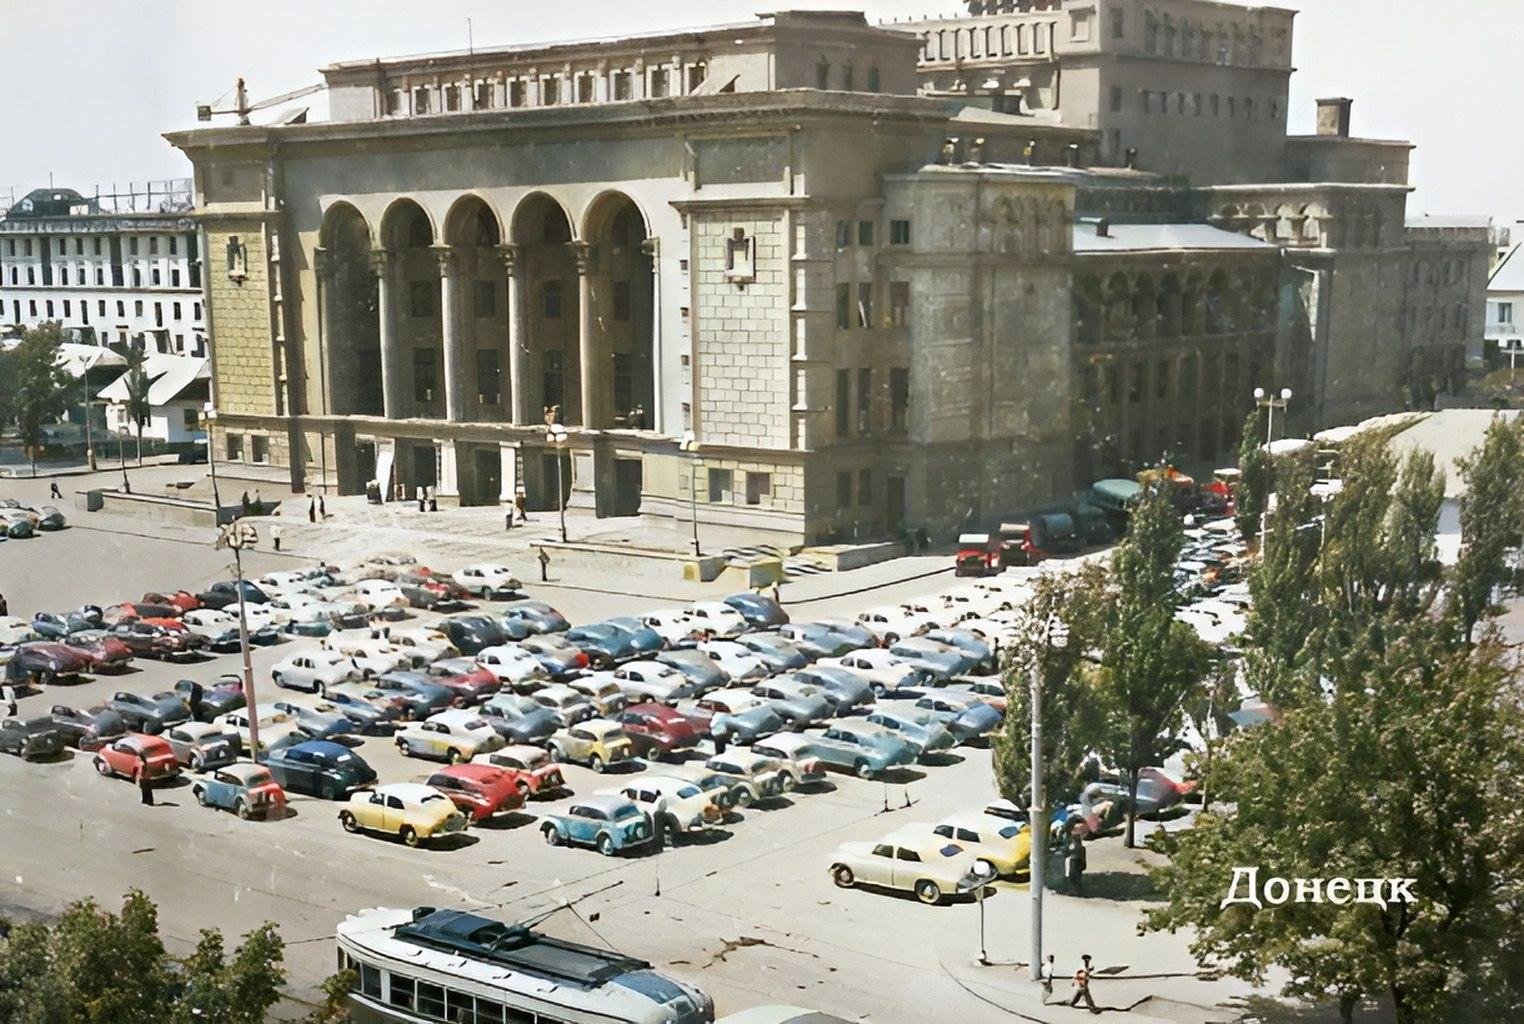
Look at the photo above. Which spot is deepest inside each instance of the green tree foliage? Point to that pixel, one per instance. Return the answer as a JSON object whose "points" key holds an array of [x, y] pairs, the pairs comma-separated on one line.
{"points": [[1491, 516], [137, 407], [1253, 491], [1283, 584], [34, 389]]}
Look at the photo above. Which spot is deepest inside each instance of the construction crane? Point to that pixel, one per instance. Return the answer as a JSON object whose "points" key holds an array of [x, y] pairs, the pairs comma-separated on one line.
{"points": [[243, 108]]}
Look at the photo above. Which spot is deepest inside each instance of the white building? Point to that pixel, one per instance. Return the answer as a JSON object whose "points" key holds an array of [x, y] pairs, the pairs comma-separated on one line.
{"points": [[1505, 310], [110, 268], [177, 395]]}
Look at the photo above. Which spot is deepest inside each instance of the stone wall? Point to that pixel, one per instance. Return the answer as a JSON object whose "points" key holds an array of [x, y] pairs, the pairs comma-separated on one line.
{"points": [[243, 361]]}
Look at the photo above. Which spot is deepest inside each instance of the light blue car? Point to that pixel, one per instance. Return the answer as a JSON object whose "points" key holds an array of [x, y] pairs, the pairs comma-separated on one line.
{"points": [[247, 790], [609, 824], [865, 749]]}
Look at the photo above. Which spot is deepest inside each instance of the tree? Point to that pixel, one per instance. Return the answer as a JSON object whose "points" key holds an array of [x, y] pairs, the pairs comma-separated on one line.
{"points": [[34, 389], [1491, 516], [1282, 585], [1251, 495], [137, 407]]}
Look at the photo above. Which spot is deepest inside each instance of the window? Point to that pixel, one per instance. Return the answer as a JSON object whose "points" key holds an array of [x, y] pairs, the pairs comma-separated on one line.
{"points": [[624, 382], [865, 232], [489, 376], [400, 992], [864, 400], [424, 378], [740, 257], [622, 85], [848, 79], [259, 447], [430, 1000], [823, 74], [481, 96], [50, 308], [874, 80], [370, 981], [235, 448], [190, 419], [554, 377], [175, 311], [843, 403], [63, 275], [865, 487], [137, 308], [585, 91], [1249, 107], [899, 232], [1216, 105], [758, 486], [420, 101], [484, 298], [843, 489], [661, 82], [394, 102], [153, 245], [899, 398], [68, 309], [550, 300], [100, 276], [1505, 312], [195, 310], [153, 274], [843, 306], [720, 483], [97, 247], [1161, 379], [516, 93], [174, 277], [843, 234], [550, 92], [622, 301], [899, 303], [865, 304], [420, 300]]}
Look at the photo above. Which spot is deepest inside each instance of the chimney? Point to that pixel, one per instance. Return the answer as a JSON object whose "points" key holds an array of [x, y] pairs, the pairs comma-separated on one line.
{"points": [[1333, 116], [1103, 228]]}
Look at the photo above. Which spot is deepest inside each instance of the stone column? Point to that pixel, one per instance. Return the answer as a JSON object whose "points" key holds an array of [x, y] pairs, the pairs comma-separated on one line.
{"points": [[326, 265], [652, 248], [384, 264], [518, 340], [457, 386], [589, 372]]}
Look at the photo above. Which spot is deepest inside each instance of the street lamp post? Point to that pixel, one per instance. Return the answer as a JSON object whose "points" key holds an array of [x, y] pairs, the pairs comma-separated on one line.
{"points": [[555, 435], [208, 417], [1054, 634], [1269, 403], [238, 535], [690, 444], [121, 457], [89, 440]]}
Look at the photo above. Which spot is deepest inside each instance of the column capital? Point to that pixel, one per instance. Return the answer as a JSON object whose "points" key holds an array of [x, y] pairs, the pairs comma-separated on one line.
{"points": [[508, 255], [453, 260], [584, 254], [325, 263], [383, 262], [652, 248]]}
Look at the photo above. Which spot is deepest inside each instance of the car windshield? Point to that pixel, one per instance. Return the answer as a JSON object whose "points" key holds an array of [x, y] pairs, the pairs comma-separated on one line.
{"points": [[432, 798], [628, 811], [258, 778], [688, 792], [615, 734]]}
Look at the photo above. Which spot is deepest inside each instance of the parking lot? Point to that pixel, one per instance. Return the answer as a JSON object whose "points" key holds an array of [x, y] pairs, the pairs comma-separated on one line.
{"points": [[746, 910]]}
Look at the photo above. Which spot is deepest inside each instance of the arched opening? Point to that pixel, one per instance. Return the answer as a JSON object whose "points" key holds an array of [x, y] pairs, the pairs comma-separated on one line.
{"points": [[1169, 306], [1087, 310], [541, 233], [1119, 319], [351, 326], [481, 317], [1145, 307], [622, 296], [407, 235]]}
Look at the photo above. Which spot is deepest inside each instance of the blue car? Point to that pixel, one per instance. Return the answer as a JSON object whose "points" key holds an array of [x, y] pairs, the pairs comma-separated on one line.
{"points": [[645, 640], [609, 824], [538, 616], [759, 611], [248, 790], [968, 642], [964, 715], [320, 768], [317, 725], [424, 696], [604, 645]]}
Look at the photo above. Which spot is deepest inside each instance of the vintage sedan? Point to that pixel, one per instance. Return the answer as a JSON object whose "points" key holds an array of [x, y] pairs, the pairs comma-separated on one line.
{"points": [[800, 705], [885, 673], [539, 775], [456, 735], [489, 580], [642, 639], [781, 1013], [970, 644], [468, 682], [558, 655], [758, 778], [427, 645], [609, 824], [42, 662], [180, 600], [16, 524], [738, 662], [102, 652], [740, 714], [276, 730], [220, 628], [87, 730], [148, 640], [15, 630], [937, 662], [520, 719], [372, 657], [660, 733], [862, 748], [423, 696], [596, 743], [49, 518], [675, 805], [846, 690], [989, 689], [1005, 844], [819, 641], [57, 625], [920, 729], [319, 768], [514, 666], [150, 714], [370, 711], [601, 690], [791, 751], [780, 653], [136, 756], [411, 812], [31, 739], [653, 681], [200, 745], [604, 645], [314, 670], [889, 625], [759, 610], [218, 698], [908, 860], [380, 595], [568, 705], [703, 672], [479, 790], [472, 634], [248, 790], [717, 619], [321, 723], [225, 592], [537, 616], [966, 716]]}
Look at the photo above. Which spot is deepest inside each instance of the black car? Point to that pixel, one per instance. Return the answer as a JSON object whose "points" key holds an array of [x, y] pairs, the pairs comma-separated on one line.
{"points": [[537, 615], [225, 592], [31, 740], [150, 714], [147, 640], [88, 730], [759, 611], [319, 768], [472, 634], [217, 699]]}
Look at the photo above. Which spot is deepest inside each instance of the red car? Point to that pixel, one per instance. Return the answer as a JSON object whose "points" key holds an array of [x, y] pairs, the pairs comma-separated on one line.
{"points": [[181, 600], [470, 687], [130, 610], [102, 653], [150, 641], [660, 732], [135, 754], [533, 771], [479, 790]]}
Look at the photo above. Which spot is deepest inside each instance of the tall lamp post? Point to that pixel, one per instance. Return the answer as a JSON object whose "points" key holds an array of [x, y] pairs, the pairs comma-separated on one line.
{"points": [[121, 456], [208, 417], [89, 405], [690, 444], [238, 535], [1055, 634], [555, 435], [1269, 403]]}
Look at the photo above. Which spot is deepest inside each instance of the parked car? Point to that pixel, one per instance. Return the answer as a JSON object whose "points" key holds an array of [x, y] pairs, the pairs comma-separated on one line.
{"points": [[604, 645], [220, 628], [653, 681], [225, 592], [372, 657], [853, 632], [149, 640], [601, 690], [885, 673], [413, 813], [920, 729], [472, 634], [890, 624], [937, 663], [862, 748], [102, 652], [674, 626], [740, 714], [490, 581], [906, 860], [135, 756], [468, 682], [609, 824], [538, 773], [248, 790], [200, 745], [989, 689], [219, 698], [90, 729], [596, 743], [568, 705], [181, 600], [31, 739], [129, 610], [423, 696], [779, 653], [759, 611], [739, 663], [45, 662], [57, 625], [758, 778], [703, 672], [15, 630], [369, 710], [16, 524], [558, 655], [424, 644], [479, 790], [314, 670], [660, 733], [519, 719], [276, 730], [643, 640], [539, 617], [319, 768], [513, 665], [321, 723], [675, 806], [846, 690], [781, 1014], [1000, 842], [798, 704], [818, 641], [455, 735], [150, 714], [966, 716], [49, 518], [970, 644], [791, 750], [718, 619], [380, 595]]}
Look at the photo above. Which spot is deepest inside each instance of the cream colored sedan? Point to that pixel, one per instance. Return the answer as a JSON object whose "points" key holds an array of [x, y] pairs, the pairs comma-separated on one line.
{"points": [[456, 735], [907, 859], [413, 813]]}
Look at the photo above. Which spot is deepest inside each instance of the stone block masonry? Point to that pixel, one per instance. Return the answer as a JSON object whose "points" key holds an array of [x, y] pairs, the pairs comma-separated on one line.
{"points": [[242, 350]]}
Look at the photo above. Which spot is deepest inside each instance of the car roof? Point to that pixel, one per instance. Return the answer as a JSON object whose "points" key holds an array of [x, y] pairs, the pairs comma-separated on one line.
{"points": [[243, 770], [328, 748], [414, 791], [598, 725], [606, 802]]}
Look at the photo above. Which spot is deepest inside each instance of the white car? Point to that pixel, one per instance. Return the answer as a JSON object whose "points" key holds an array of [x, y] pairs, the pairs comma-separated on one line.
{"points": [[273, 727], [13, 630], [569, 705], [730, 702], [314, 670], [673, 625], [892, 624], [882, 671], [738, 662], [210, 622], [602, 691], [259, 616], [675, 805], [455, 735], [718, 619], [310, 608], [513, 665], [910, 859], [372, 657], [651, 680], [279, 584], [483, 578], [376, 595], [429, 644]]}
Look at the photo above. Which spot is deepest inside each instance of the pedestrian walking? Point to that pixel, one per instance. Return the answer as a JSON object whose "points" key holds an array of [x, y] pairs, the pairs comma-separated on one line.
{"points": [[508, 520], [275, 535], [145, 784], [422, 504], [522, 504], [1045, 974], [8, 694], [721, 736], [197, 693], [322, 508], [312, 511], [777, 592], [1074, 862], [544, 557], [1082, 987], [54, 491]]}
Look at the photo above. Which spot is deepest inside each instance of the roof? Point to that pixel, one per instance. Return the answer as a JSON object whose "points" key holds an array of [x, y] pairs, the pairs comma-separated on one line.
{"points": [[1152, 237], [1508, 276], [1456, 221], [77, 360], [170, 376], [415, 791], [1450, 435], [606, 802]]}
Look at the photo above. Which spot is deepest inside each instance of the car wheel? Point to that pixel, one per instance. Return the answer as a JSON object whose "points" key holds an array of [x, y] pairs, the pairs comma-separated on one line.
{"points": [[197, 763], [596, 764], [454, 756], [409, 835], [348, 820], [864, 770], [552, 836], [743, 797], [275, 677], [102, 767], [843, 877], [928, 892], [200, 794], [789, 783], [606, 845], [242, 809]]}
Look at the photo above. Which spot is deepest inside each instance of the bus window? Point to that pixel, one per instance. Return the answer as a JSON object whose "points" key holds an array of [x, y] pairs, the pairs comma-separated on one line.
{"points": [[431, 1000], [400, 992], [370, 981]]}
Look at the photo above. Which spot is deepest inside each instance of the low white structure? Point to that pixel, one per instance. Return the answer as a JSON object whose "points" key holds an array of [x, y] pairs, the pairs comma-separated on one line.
{"points": [[177, 395], [1505, 311]]}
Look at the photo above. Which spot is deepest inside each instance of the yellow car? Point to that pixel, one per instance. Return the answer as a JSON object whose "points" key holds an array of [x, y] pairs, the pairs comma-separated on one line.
{"points": [[1005, 844], [596, 743], [412, 812]]}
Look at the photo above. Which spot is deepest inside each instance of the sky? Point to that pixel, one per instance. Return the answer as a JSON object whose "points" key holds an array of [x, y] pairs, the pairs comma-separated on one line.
{"points": [[108, 77]]}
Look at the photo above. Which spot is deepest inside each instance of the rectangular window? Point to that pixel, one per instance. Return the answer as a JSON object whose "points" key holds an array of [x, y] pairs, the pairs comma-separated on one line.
{"points": [[720, 484], [394, 102], [100, 277], [190, 419], [865, 487], [1505, 312], [865, 304], [452, 97], [68, 309], [485, 298], [174, 277], [585, 88], [843, 234], [235, 448], [899, 398], [622, 85], [550, 92], [1249, 107], [899, 303], [865, 232], [154, 276], [1116, 99], [50, 308], [554, 382], [843, 306], [622, 301], [624, 383], [137, 307], [153, 245], [550, 300], [661, 82], [489, 376], [132, 245], [195, 311], [843, 489], [431, 1000], [1216, 105], [175, 311], [370, 981], [425, 381], [259, 446], [899, 232], [400, 992], [864, 401], [121, 308], [174, 245], [1161, 379], [758, 486], [516, 93], [843, 403], [420, 298]]}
